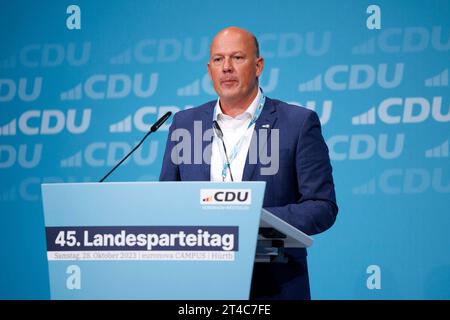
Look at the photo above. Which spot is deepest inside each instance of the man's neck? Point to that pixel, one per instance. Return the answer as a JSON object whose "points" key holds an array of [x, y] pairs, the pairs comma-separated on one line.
{"points": [[234, 108]]}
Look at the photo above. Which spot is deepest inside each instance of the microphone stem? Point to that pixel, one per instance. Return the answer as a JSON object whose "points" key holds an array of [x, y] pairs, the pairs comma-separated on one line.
{"points": [[126, 157], [152, 129]]}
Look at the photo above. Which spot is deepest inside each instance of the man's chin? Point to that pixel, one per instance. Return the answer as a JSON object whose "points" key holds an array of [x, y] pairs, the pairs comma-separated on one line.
{"points": [[229, 93]]}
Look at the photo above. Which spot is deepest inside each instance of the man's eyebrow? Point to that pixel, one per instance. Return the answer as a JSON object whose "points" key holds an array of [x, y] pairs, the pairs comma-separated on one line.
{"points": [[231, 54]]}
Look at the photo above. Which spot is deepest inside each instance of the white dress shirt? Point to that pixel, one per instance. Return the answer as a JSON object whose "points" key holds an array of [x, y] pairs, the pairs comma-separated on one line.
{"points": [[233, 129]]}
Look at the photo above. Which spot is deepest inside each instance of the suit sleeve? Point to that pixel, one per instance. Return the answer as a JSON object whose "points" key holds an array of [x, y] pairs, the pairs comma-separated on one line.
{"points": [[170, 170], [316, 209]]}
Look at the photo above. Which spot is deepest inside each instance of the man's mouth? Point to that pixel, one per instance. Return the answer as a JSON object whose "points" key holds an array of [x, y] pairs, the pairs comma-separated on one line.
{"points": [[229, 81]]}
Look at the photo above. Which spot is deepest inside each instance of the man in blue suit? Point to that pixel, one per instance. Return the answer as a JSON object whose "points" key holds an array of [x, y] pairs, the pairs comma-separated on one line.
{"points": [[299, 182]]}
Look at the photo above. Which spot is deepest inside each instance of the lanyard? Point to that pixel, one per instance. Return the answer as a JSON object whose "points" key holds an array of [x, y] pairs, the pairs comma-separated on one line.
{"points": [[238, 145]]}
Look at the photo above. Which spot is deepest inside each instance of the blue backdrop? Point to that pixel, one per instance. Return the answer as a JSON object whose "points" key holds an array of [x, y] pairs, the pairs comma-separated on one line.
{"points": [[73, 102]]}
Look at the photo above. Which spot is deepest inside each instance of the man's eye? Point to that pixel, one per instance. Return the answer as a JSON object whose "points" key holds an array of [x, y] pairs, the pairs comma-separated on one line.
{"points": [[217, 59], [238, 58]]}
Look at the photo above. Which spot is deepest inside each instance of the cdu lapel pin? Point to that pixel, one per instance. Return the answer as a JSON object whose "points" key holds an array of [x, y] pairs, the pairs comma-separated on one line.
{"points": [[265, 126]]}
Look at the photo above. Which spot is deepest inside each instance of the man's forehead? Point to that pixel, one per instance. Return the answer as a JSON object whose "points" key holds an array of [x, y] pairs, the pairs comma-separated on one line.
{"points": [[232, 36], [230, 44]]}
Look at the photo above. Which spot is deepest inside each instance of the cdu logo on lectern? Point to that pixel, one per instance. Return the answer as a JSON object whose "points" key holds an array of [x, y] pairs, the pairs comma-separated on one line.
{"points": [[225, 196]]}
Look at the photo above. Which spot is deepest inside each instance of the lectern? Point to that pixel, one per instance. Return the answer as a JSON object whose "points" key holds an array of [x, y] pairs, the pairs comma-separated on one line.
{"points": [[159, 240]]}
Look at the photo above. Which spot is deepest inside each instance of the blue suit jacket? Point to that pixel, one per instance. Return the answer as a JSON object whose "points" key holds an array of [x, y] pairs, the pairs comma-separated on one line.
{"points": [[301, 192]]}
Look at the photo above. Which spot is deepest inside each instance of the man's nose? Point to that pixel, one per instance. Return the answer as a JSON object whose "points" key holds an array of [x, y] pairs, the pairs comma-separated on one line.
{"points": [[227, 65]]}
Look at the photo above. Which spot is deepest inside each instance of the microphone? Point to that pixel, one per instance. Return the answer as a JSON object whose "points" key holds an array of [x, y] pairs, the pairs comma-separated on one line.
{"points": [[152, 129], [220, 135]]}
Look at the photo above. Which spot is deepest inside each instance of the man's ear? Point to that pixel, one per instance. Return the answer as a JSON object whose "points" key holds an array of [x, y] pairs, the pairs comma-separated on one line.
{"points": [[259, 66], [209, 70]]}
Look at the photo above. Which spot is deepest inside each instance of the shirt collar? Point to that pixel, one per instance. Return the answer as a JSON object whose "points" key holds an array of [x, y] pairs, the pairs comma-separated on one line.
{"points": [[249, 113]]}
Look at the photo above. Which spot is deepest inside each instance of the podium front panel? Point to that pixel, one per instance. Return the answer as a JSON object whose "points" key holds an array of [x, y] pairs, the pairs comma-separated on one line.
{"points": [[151, 240]]}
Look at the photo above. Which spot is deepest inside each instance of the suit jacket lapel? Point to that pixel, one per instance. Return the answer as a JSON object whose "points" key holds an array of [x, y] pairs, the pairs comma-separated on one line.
{"points": [[266, 121], [207, 122]]}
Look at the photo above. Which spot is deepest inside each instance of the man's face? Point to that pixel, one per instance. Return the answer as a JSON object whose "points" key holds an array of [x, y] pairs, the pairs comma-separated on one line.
{"points": [[233, 65]]}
